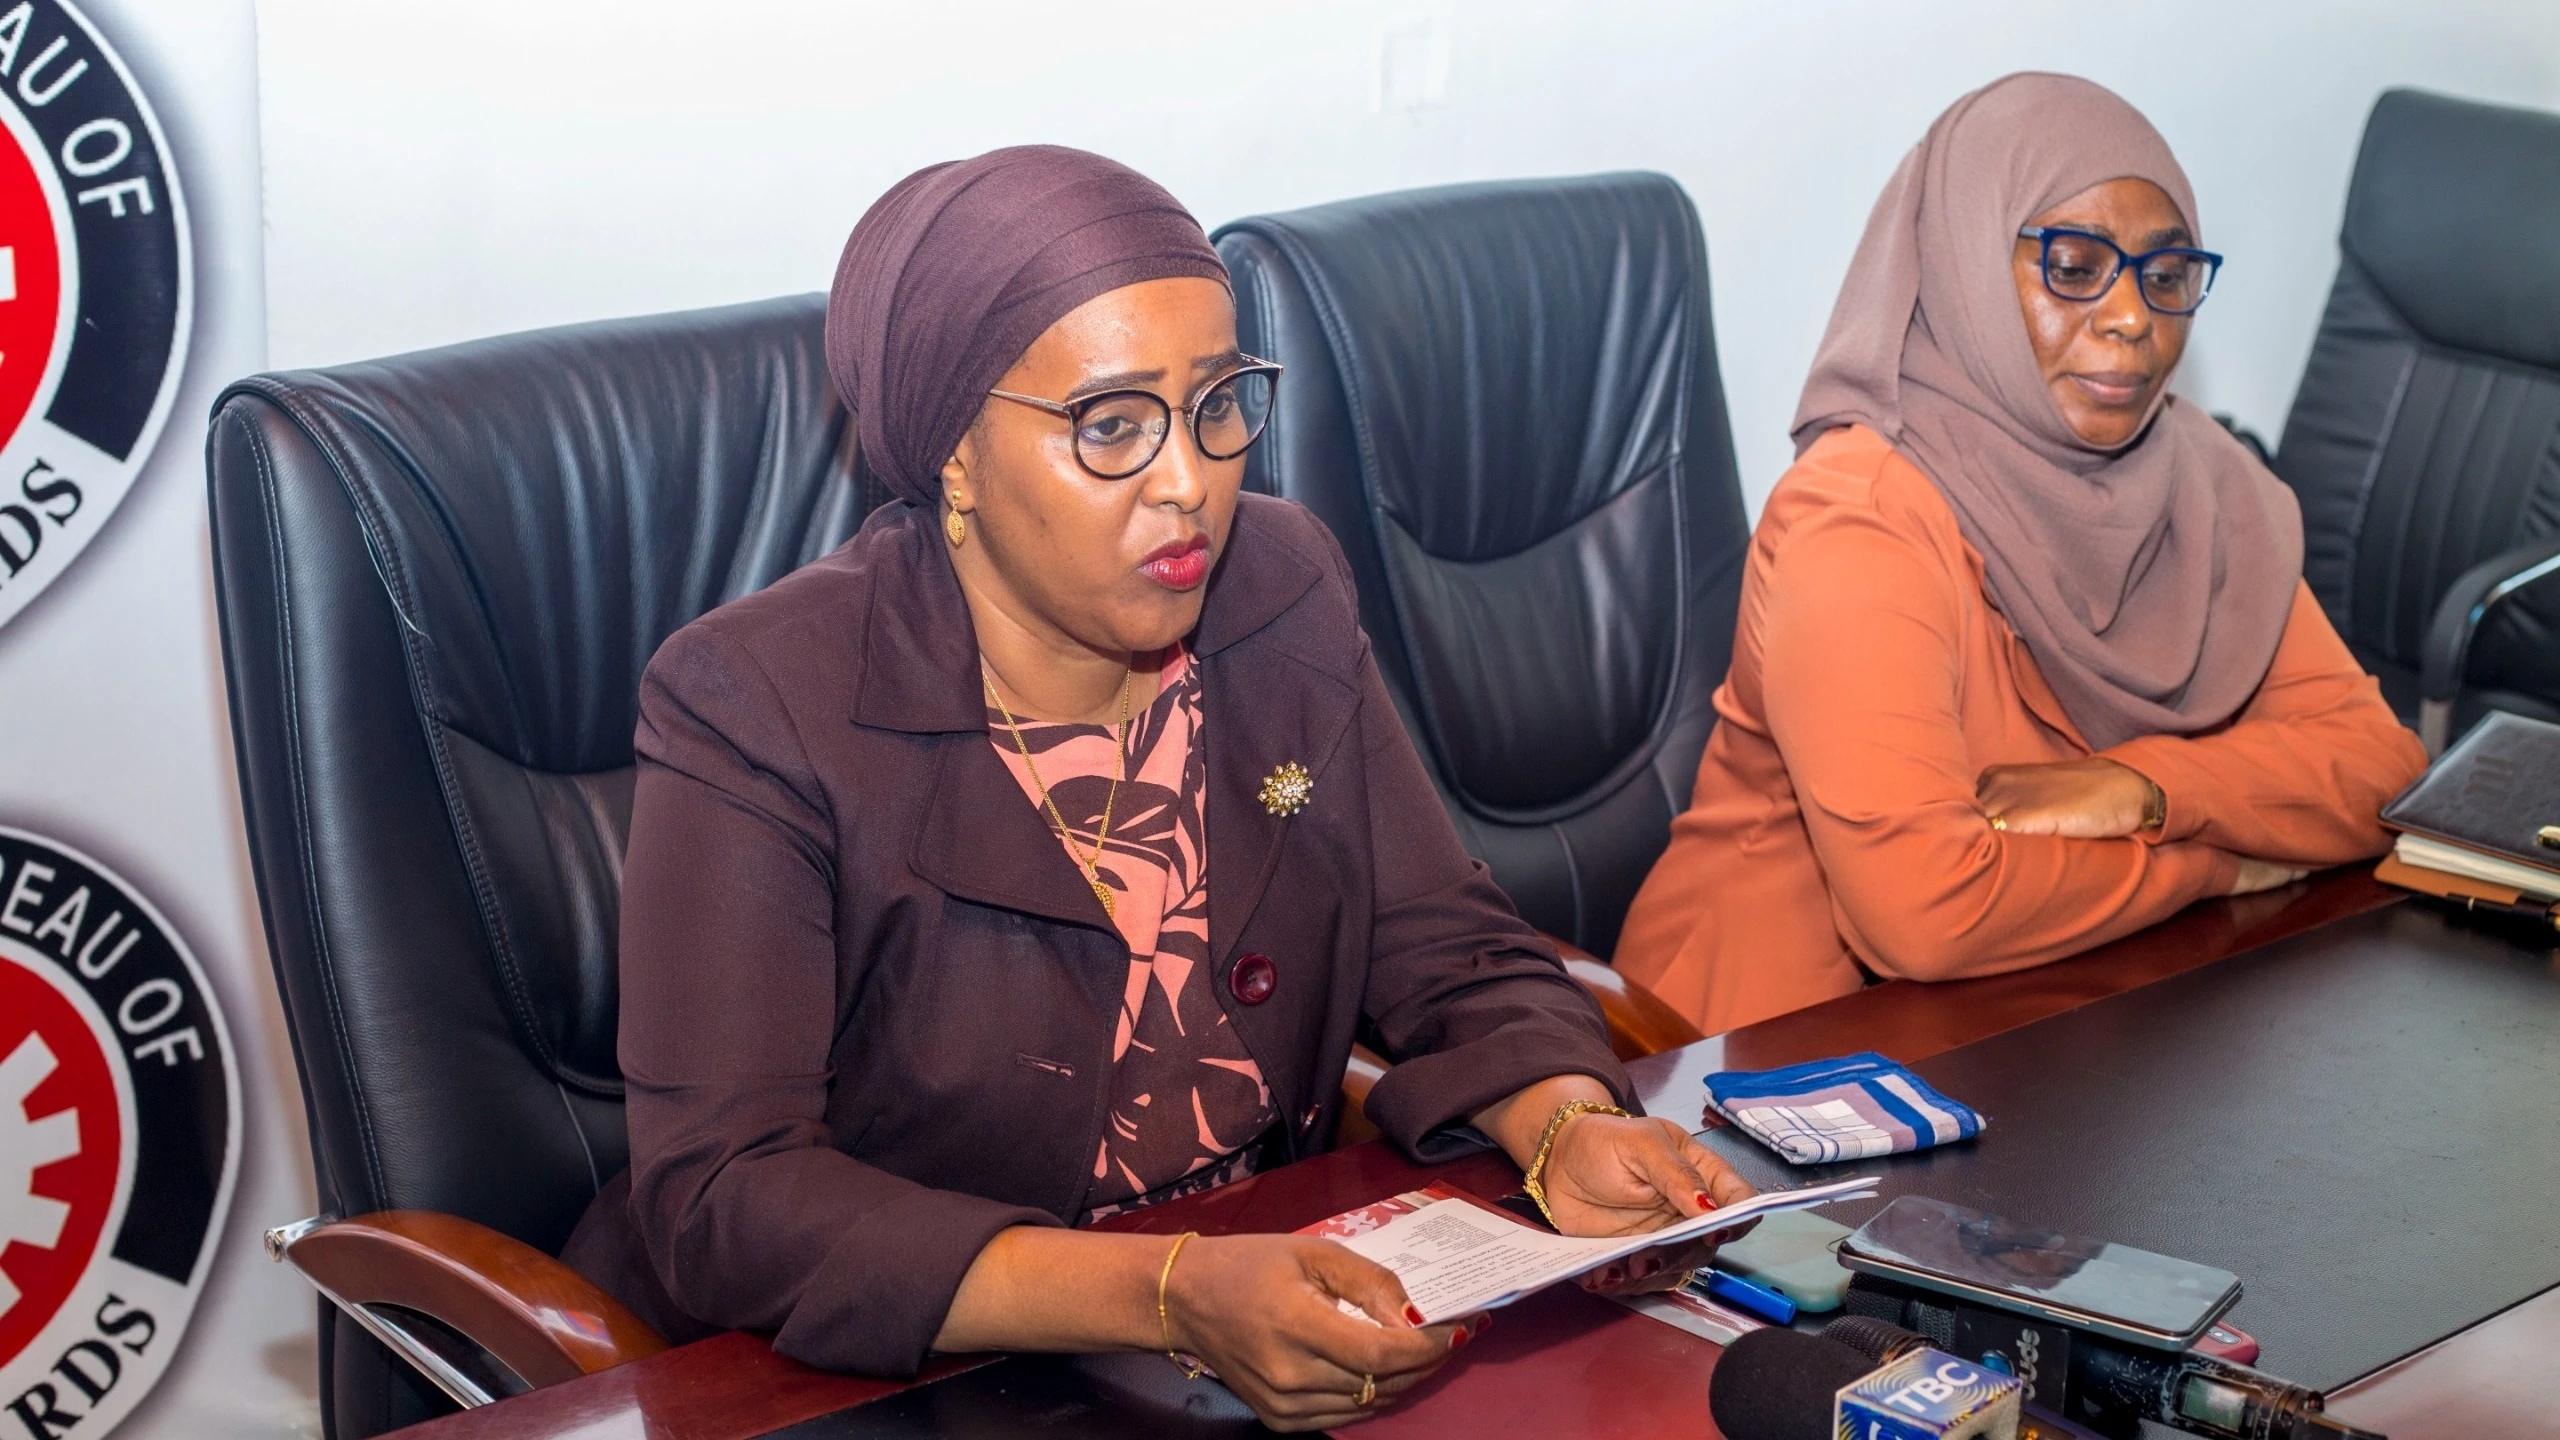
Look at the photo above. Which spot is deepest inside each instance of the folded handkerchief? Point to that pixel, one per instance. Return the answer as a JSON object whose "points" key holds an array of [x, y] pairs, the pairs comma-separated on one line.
{"points": [[1844, 1109]]}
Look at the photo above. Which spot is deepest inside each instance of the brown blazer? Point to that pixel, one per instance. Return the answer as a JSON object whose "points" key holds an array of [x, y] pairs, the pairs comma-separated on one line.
{"points": [[868, 1002]]}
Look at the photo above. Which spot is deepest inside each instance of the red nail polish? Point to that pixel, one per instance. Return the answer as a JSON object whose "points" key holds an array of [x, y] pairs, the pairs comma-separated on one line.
{"points": [[1704, 1203], [1413, 1316], [1457, 1338]]}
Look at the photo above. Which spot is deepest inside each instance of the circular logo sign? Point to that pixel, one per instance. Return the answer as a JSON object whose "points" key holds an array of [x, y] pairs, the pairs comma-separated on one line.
{"points": [[119, 1140], [95, 286]]}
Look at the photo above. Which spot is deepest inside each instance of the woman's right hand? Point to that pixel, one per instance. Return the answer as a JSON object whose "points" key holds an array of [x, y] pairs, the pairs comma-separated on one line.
{"points": [[1260, 1309], [2256, 875]]}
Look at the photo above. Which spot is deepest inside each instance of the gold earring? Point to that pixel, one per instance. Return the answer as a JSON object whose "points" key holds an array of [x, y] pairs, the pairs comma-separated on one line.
{"points": [[954, 527]]}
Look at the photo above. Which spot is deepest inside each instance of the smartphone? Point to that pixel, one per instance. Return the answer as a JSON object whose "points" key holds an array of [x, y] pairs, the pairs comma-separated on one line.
{"points": [[2110, 1290], [1794, 1252], [2226, 1341]]}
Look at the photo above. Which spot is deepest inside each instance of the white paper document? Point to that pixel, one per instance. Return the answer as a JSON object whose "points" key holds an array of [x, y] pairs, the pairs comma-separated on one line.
{"points": [[1458, 1255]]}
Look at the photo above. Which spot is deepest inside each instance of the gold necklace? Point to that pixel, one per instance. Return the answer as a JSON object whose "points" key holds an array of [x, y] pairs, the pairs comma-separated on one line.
{"points": [[1088, 863]]}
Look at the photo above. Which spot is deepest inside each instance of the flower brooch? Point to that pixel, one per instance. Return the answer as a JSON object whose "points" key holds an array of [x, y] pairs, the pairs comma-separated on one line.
{"points": [[1285, 790]]}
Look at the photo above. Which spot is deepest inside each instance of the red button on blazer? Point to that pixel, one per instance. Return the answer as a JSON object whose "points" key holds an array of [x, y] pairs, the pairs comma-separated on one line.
{"points": [[1254, 978]]}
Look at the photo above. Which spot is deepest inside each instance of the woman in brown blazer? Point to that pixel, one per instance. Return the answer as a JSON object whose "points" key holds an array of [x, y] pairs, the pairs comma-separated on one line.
{"points": [[1040, 853]]}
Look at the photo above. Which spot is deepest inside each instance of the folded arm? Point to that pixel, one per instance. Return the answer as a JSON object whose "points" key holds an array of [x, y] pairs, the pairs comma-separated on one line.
{"points": [[1862, 693], [2300, 775], [1494, 1037], [1469, 1000]]}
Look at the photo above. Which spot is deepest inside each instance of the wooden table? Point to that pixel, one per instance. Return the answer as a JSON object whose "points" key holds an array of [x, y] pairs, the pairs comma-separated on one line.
{"points": [[1566, 1364]]}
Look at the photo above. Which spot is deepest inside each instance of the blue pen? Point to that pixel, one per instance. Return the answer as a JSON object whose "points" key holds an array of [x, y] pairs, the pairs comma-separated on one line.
{"points": [[1743, 1295]]}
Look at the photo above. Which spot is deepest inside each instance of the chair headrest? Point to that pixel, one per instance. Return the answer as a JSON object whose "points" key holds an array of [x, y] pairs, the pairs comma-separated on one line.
{"points": [[546, 508], [1515, 354], [2455, 214]]}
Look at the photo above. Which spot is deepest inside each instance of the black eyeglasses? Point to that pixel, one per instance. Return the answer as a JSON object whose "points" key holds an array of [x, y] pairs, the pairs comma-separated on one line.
{"points": [[1119, 432], [2079, 265]]}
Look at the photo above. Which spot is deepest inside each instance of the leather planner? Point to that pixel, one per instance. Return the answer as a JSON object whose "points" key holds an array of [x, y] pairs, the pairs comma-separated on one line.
{"points": [[2495, 791]]}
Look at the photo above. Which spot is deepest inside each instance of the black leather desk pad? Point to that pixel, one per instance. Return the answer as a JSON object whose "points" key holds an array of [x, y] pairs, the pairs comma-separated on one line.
{"points": [[2362, 1123]]}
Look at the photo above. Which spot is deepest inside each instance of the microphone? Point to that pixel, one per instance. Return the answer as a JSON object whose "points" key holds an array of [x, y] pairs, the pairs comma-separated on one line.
{"points": [[1775, 1384], [2115, 1388]]}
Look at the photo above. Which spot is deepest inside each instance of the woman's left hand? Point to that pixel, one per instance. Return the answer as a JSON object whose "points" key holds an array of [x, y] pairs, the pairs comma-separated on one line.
{"points": [[1609, 1175]]}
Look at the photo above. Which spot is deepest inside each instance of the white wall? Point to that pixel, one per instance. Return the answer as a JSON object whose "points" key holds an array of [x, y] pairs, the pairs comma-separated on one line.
{"points": [[435, 173], [114, 737]]}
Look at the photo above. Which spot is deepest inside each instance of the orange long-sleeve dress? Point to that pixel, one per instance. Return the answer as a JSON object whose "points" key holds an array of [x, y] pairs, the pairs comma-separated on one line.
{"points": [[1834, 832]]}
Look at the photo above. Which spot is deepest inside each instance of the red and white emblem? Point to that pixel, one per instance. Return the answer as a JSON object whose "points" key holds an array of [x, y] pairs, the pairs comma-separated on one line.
{"points": [[119, 1141], [96, 290]]}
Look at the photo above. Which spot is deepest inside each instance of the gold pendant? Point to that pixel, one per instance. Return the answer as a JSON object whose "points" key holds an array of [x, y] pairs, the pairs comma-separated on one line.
{"points": [[1102, 893], [1285, 791]]}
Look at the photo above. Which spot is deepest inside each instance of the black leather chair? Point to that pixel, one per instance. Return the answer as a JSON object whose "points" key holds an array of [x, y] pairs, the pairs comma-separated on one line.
{"points": [[440, 576], [2425, 440], [1503, 398]]}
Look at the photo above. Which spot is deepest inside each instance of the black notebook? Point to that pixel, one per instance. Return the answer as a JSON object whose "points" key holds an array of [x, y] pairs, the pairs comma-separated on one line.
{"points": [[2494, 798]]}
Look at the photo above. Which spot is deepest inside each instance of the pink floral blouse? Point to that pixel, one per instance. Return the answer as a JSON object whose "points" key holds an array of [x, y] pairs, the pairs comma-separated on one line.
{"points": [[1188, 1104]]}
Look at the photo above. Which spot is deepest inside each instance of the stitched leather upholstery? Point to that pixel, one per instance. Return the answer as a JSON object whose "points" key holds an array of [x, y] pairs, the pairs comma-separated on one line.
{"points": [[2426, 435], [440, 576], [1503, 398]]}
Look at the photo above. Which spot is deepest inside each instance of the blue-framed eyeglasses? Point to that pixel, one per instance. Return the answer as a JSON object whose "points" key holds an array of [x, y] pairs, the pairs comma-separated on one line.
{"points": [[2080, 265]]}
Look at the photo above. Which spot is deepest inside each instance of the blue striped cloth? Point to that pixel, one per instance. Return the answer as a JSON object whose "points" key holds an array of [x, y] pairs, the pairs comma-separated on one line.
{"points": [[1850, 1108]]}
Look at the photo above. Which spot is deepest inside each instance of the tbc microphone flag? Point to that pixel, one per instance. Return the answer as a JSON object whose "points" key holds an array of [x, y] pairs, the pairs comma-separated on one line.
{"points": [[1926, 1394]]}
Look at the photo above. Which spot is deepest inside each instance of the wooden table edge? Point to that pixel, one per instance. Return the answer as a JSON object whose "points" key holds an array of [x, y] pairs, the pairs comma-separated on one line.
{"points": [[693, 1392]]}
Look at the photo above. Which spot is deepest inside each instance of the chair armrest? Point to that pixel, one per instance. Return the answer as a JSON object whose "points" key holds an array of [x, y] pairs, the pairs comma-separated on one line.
{"points": [[1357, 1081], [1640, 1022], [1362, 1076], [2457, 620], [543, 1320]]}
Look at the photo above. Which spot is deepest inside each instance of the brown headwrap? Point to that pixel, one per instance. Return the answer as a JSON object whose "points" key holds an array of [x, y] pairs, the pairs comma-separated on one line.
{"points": [[950, 276], [2150, 582]]}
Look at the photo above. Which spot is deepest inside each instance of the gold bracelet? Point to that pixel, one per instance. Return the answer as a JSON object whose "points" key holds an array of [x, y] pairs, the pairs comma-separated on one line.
{"points": [[1191, 1369], [1533, 1180]]}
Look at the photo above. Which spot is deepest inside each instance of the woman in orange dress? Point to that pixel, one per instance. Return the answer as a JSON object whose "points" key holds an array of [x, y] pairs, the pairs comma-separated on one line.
{"points": [[2025, 661]]}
